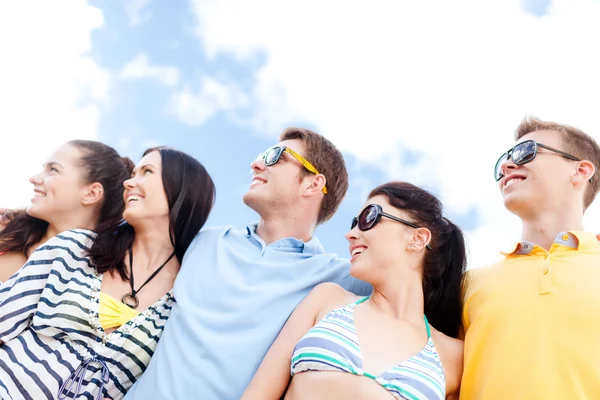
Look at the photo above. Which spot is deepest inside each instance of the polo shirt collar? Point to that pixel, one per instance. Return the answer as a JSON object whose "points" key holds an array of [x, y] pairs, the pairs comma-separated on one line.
{"points": [[578, 240], [313, 246]]}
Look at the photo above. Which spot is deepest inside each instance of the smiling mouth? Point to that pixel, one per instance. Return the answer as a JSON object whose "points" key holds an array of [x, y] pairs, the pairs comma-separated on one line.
{"points": [[513, 181], [133, 198], [357, 251], [256, 182]]}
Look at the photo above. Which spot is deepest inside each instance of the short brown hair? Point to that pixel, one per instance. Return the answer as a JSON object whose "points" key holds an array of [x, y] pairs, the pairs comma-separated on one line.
{"points": [[576, 142], [328, 160]]}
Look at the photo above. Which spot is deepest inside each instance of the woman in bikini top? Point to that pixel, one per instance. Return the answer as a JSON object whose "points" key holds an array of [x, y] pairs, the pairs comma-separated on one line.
{"points": [[337, 345]]}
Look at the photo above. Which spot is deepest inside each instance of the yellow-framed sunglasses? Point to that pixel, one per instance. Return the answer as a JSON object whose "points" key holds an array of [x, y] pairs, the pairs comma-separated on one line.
{"points": [[271, 156]]}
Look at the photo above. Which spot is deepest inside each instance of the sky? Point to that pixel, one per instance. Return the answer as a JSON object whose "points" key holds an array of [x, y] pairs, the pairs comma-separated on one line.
{"points": [[428, 92]]}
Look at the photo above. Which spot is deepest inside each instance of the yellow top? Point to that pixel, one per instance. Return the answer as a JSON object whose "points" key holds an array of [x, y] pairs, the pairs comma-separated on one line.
{"points": [[113, 313], [532, 323]]}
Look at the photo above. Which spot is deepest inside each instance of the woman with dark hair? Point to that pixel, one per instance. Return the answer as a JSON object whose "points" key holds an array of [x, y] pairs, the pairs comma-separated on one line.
{"points": [[83, 316], [337, 345], [80, 186]]}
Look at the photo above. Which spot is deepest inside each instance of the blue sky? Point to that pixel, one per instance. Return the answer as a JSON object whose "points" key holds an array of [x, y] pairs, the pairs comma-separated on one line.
{"points": [[427, 92], [225, 147]]}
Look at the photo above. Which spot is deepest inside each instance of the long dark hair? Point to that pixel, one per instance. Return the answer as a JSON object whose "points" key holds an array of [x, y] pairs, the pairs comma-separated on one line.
{"points": [[190, 194], [444, 265], [100, 163]]}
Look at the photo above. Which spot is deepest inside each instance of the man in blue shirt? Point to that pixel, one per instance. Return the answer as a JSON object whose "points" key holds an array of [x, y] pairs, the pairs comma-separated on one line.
{"points": [[237, 287]]}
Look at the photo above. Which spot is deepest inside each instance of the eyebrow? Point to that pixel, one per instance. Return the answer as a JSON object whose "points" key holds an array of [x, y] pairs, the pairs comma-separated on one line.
{"points": [[53, 163], [143, 166]]}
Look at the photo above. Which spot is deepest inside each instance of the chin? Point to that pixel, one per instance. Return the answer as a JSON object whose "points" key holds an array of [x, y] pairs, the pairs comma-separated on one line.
{"points": [[357, 271], [131, 216], [35, 211], [251, 199], [515, 204]]}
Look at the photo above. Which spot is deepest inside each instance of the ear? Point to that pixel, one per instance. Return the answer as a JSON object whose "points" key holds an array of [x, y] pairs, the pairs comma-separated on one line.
{"points": [[420, 239], [92, 194], [314, 184], [584, 172]]}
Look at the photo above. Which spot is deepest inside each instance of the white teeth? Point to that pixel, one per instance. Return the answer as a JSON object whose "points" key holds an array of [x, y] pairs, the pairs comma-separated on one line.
{"points": [[512, 181], [38, 194], [133, 198], [358, 250], [257, 182]]}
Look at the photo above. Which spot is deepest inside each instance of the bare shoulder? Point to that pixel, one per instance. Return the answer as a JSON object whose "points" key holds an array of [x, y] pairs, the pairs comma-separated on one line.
{"points": [[330, 296], [451, 352]]}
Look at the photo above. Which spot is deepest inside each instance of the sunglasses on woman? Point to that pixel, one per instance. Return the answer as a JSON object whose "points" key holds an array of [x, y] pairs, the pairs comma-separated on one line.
{"points": [[371, 215], [271, 156], [525, 152]]}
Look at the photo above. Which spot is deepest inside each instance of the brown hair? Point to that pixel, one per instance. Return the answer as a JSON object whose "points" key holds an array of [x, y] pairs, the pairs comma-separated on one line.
{"points": [[100, 163], [577, 143], [328, 160]]}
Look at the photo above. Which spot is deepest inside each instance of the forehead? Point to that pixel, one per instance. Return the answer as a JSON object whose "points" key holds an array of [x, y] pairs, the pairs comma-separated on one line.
{"points": [[152, 158], [386, 206], [65, 154], [294, 144], [549, 138]]}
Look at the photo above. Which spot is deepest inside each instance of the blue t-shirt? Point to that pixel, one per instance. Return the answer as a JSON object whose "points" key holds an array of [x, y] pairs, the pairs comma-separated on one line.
{"points": [[234, 294]]}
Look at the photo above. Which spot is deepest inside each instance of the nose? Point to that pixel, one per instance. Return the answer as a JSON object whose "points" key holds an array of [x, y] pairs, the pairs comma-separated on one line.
{"points": [[352, 234], [129, 183], [258, 165], [506, 165], [36, 179]]}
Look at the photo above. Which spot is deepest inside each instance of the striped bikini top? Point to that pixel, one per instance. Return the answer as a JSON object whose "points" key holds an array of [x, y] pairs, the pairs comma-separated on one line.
{"points": [[332, 345]]}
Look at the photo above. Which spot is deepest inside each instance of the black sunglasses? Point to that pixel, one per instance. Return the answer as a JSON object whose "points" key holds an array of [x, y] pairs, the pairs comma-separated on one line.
{"points": [[371, 215], [525, 152], [272, 155]]}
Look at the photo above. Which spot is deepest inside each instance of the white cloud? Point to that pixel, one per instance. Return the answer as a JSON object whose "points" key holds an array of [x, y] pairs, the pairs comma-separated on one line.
{"points": [[51, 90], [195, 108], [450, 80], [140, 68], [137, 11]]}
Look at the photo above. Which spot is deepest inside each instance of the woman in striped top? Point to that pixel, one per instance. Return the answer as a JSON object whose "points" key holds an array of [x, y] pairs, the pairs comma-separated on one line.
{"points": [[336, 345], [79, 186], [83, 316]]}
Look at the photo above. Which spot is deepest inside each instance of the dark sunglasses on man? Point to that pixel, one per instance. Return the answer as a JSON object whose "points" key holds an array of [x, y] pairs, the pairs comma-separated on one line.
{"points": [[525, 152], [371, 215], [272, 155]]}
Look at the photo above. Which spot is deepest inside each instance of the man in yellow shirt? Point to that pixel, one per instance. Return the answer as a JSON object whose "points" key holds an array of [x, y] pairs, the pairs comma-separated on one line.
{"points": [[532, 321]]}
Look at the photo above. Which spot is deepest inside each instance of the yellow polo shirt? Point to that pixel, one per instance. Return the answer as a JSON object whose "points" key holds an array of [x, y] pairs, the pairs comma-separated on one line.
{"points": [[532, 323]]}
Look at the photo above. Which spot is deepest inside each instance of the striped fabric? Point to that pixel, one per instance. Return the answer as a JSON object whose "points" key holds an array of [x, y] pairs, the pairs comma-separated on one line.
{"points": [[51, 332], [332, 345]]}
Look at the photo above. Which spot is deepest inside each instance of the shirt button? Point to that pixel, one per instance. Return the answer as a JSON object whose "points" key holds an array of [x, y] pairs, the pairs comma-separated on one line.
{"points": [[565, 237], [545, 271]]}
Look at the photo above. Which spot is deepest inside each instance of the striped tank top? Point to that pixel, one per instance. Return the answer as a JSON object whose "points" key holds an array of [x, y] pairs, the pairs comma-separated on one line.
{"points": [[54, 345], [332, 345]]}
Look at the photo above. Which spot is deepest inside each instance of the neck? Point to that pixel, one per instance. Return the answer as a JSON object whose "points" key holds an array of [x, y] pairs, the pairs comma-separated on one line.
{"points": [[73, 221], [543, 228], [401, 300], [151, 247], [273, 229]]}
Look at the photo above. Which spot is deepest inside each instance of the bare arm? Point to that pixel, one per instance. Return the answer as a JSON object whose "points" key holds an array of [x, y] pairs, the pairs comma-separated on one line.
{"points": [[451, 352], [273, 375]]}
